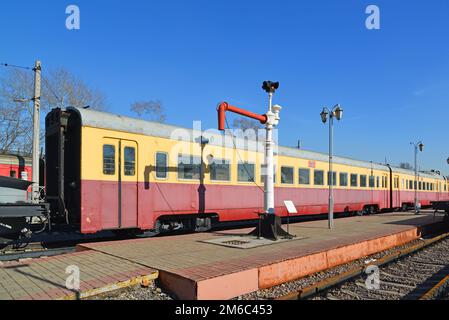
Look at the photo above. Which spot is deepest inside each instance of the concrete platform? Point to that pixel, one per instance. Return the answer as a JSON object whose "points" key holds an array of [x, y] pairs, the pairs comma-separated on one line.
{"points": [[193, 269], [45, 278]]}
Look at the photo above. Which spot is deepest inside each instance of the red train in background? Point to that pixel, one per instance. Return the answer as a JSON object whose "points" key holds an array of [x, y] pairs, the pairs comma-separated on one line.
{"points": [[18, 166], [15, 166]]}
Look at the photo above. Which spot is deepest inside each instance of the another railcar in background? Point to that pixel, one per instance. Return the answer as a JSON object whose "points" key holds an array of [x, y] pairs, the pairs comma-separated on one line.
{"points": [[15, 166], [109, 172]]}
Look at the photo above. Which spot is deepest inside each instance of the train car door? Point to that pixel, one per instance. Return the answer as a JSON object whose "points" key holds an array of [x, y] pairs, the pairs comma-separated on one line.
{"points": [[119, 186], [128, 184], [396, 192], [435, 195], [109, 204], [386, 191]]}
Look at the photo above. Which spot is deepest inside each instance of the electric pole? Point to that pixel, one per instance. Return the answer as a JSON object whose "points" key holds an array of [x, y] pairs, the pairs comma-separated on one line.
{"points": [[36, 130]]}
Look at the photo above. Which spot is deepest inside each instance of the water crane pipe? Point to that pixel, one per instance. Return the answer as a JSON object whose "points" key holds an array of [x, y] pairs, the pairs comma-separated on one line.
{"points": [[224, 106]]}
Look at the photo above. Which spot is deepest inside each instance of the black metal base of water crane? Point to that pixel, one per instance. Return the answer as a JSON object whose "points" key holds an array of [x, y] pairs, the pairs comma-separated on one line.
{"points": [[270, 227]]}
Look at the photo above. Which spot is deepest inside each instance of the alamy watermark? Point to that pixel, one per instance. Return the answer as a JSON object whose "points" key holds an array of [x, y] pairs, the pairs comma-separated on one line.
{"points": [[73, 20], [72, 281], [372, 22], [235, 145], [372, 282]]}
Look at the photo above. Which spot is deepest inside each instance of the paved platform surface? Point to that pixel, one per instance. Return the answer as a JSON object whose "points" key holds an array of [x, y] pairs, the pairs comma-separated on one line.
{"points": [[196, 270], [45, 278]]}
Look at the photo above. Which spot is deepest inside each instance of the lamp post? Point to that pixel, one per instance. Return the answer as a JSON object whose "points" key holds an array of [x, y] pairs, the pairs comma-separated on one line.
{"points": [[336, 112], [418, 146]]}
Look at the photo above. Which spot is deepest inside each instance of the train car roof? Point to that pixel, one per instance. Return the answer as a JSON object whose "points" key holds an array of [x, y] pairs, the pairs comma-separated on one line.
{"points": [[13, 159], [106, 120]]}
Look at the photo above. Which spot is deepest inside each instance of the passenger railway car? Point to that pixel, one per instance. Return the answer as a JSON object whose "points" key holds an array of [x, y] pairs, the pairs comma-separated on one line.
{"points": [[109, 172], [15, 166]]}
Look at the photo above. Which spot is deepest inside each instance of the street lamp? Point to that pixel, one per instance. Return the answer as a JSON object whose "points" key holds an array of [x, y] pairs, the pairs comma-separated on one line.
{"points": [[336, 112], [419, 146]]}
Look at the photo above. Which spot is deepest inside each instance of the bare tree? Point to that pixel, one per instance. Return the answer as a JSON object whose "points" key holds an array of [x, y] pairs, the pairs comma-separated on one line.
{"points": [[406, 165], [59, 89], [245, 124], [149, 110]]}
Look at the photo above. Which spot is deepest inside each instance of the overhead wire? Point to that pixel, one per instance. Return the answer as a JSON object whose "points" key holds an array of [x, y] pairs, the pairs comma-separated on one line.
{"points": [[240, 158]]}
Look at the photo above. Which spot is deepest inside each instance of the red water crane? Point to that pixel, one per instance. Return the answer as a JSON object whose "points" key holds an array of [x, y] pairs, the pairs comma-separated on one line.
{"points": [[270, 224]]}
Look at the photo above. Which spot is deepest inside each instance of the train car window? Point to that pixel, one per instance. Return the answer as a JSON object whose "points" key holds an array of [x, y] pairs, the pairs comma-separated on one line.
{"points": [[410, 185], [245, 172], [263, 173], [304, 176], [220, 170], [287, 175], [334, 178], [362, 181], [371, 181], [354, 180], [161, 165], [343, 179], [108, 159], [130, 161], [420, 185], [377, 182], [189, 167], [318, 177]]}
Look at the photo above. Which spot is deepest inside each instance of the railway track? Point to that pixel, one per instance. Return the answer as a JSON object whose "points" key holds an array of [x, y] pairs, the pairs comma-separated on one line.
{"points": [[49, 244], [34, 253], [419, 272]]}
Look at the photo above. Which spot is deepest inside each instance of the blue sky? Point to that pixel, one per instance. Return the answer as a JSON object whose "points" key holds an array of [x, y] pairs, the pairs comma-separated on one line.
{"points": [[393, 83]]}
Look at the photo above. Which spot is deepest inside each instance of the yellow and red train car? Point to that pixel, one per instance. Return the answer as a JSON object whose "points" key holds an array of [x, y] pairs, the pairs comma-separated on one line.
{"points": [[109, 172]]}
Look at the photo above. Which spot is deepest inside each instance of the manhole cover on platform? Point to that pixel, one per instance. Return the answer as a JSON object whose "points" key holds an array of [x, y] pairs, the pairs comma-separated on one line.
{"points": [[236, 242], [246, 242]]}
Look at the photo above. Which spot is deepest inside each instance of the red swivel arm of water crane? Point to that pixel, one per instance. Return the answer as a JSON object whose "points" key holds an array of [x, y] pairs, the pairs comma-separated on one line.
{"points": [[224, 106]]}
